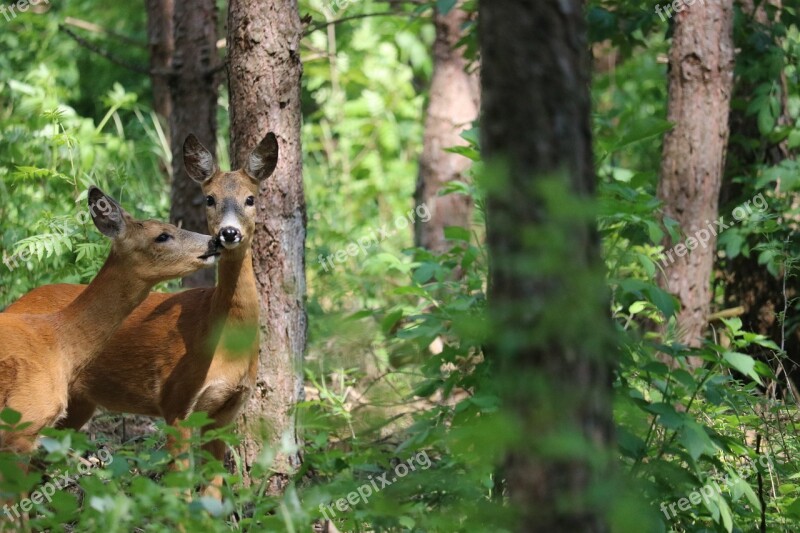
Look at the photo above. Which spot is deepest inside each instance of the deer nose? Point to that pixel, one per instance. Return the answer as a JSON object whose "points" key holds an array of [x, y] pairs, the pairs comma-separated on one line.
{"points": [[230, 235]]}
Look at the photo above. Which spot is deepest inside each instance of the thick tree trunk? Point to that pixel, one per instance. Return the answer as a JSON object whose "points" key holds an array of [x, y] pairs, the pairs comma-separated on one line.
{"points": [[160, 45], [264, 80], [194, 93], [453, 106], [700, 83], [554, 374]]}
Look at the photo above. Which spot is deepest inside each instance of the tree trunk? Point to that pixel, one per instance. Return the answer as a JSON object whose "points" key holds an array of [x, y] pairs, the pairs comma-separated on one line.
{"points": [[264, 82], [194, 93], [453, 106], [160, 45], [553, 374], [700, 84]]}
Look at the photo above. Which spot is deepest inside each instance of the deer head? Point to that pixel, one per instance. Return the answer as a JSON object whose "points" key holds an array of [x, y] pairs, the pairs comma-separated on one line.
{"points": [[231, 196], [153, 251]]}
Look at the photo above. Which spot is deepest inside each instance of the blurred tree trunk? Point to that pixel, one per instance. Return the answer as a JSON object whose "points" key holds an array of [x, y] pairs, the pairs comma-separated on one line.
{"points": [[553, 374], [700, 84], [159, 43], [193, 93], [264, 81], [453, 106]]}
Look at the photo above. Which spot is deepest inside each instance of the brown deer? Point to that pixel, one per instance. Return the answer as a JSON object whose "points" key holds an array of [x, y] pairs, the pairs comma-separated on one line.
{"points": [[40, 354], [192, 351]]}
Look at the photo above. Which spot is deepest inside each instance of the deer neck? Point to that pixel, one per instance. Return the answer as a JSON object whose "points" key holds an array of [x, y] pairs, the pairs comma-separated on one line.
{"points": [[86, 325], [236, 295]]}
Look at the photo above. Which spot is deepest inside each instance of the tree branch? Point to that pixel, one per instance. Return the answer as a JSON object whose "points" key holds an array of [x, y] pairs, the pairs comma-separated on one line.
{"points": [[104, 53], [314, 27], [92, 27], [124, 63]]}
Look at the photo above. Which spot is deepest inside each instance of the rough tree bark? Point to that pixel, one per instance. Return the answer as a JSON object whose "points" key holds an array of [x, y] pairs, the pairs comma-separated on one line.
{"points": [[264, 82], [554, 375], [453, 106], [160, 46], [701, 64], [193, 92]]}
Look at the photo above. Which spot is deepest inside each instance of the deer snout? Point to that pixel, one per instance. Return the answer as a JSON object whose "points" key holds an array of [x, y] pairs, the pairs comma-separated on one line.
{"points": [[212, 252], [229, 236]]}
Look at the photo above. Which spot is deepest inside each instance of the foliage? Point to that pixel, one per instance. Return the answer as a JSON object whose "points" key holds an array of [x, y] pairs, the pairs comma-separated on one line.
{"points": [[395, 370]]}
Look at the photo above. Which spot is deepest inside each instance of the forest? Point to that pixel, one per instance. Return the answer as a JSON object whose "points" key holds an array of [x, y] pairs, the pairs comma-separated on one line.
{"points": [[399, 265]]}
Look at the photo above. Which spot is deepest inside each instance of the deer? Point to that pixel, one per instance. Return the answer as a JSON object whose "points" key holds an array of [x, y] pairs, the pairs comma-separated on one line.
{"points": [[192, 351], [42, 353]]}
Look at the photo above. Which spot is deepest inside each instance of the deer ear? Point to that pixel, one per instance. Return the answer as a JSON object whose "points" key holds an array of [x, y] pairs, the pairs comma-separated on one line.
{"points": [[106, 213], [262, 162], [198, 161]]}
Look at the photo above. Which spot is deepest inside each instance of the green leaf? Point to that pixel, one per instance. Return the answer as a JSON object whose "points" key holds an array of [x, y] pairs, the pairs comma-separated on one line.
{"points": [[742, 363], [734, 324], [694, 438], [655, 233], [10, 416], [766, 120], [725, 513], [445, 6], [637, 307], [642, 130], [667, 415], [211, 505], [665, 302], [197, 420], [390, 321], [407, 522], [424, 273], [457, 233], [793, 509]]}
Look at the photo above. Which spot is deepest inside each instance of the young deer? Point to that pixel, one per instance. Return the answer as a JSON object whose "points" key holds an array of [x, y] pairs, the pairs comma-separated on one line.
{"points": [[192, 351], [40, 354]]}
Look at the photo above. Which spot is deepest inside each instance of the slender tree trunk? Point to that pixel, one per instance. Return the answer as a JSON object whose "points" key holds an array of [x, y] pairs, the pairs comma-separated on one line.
{"points": [[453, 106], [194, 93], [264, 80], [160, 45], [700, 84], [554, 374]]}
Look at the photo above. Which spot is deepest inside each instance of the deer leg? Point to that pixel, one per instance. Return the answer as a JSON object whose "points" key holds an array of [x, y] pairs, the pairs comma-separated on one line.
{"points": [[79, 412], [178, 445], [222, 417], [217, 449]]}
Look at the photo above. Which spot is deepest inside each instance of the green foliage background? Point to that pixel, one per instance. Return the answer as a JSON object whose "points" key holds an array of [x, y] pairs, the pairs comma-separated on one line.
{"points": [[377, 394]]}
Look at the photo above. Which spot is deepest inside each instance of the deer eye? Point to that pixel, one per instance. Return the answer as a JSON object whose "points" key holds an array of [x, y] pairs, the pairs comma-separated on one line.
{"points": [[210, 201], [251, 201], [164, 237]]}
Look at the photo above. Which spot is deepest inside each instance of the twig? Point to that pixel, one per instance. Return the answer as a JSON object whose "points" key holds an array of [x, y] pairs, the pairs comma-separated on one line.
{"points": [[104, 53], [314, 27], [761, 499], [92, 27], [726, 313], [124, 63]]}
